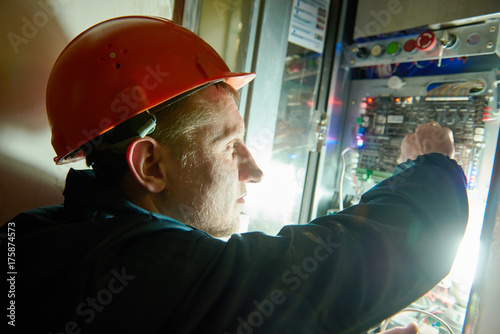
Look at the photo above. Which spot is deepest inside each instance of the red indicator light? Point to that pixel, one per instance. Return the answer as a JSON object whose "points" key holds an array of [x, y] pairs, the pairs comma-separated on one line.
{"points": [[410, 45], [409, 99], [397, 100], [369, 100]]}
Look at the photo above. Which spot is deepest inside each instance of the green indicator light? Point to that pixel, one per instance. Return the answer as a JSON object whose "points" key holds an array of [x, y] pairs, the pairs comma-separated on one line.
{"points": [[393, 48]]}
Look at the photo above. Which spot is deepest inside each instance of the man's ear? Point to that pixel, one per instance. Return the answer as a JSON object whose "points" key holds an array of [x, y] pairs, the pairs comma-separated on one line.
{"points": [[145, 158]]}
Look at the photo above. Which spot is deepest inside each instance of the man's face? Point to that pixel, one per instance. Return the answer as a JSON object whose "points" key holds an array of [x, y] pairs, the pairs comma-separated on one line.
{"points": [[208, 193]]}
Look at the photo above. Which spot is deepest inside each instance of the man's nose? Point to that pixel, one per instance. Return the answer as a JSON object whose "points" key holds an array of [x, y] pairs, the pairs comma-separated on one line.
{"points": [[248, 169]]}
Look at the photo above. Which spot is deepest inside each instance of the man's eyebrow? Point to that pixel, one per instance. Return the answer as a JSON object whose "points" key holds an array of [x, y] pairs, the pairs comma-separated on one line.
{"points": [[230, 131]]}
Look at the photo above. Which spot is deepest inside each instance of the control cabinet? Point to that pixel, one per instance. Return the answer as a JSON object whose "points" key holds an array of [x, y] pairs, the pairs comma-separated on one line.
{"points": [[379, 117], [384, 87]]}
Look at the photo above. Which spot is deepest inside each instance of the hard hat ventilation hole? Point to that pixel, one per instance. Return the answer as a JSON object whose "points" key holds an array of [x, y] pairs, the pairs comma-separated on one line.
{"points": [[124, 51], [109, 46], [117, 65], [102, 60]]}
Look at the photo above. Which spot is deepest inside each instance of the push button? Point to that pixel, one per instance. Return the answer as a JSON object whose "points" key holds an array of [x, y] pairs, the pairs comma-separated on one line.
{"points": [[426, 41], [377, 50], [473, 39], [393, 48], [410, 46], [362, 53]]}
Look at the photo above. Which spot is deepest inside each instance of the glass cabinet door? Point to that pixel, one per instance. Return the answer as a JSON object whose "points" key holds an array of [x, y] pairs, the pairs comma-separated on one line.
{"points": [[282, 117], [280, 193], [282, 41]]}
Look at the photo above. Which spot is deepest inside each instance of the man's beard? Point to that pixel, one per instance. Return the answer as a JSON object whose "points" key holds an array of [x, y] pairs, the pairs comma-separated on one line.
{"points": [[208, 213]]}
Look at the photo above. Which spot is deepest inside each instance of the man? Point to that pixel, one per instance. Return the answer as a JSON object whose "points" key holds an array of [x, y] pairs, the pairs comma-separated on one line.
{"points": [[132, 248]]}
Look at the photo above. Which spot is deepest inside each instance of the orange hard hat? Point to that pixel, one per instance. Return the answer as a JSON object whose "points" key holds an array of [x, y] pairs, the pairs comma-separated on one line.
{"points": [[120, 68]]}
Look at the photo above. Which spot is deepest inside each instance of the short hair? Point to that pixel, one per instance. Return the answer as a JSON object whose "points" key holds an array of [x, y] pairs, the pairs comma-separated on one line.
{"points": [[178, 123], [176, 127]]}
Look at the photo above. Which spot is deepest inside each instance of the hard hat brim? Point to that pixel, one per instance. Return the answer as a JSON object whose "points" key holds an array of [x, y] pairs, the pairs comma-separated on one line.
{"points": [[237, 80]]}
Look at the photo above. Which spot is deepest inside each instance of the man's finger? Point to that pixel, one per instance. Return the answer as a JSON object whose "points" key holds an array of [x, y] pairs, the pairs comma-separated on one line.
{"points": [[449, 133], [410, 329]]}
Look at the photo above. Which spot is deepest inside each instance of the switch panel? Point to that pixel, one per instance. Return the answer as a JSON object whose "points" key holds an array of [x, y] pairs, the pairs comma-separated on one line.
{"points": [[465, 41]]}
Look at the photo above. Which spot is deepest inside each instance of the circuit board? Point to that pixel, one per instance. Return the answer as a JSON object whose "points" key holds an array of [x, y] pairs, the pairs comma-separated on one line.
{"points": [[385, 121]]}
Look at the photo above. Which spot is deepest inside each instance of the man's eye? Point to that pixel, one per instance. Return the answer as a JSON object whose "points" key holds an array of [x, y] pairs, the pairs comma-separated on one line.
{"points": [[230, 146]]}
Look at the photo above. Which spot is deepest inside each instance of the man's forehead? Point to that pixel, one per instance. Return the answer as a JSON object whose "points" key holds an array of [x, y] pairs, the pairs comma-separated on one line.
{"points": [[230, 126], [227, 120]]}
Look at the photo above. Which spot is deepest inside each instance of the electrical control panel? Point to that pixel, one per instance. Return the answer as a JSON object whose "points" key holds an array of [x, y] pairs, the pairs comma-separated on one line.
{"points": [[379, 117], [385, 121], [379, 114]]}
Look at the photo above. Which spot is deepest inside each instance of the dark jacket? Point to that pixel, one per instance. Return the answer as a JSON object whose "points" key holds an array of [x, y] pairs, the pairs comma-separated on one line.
{"points": [[100, 264]]}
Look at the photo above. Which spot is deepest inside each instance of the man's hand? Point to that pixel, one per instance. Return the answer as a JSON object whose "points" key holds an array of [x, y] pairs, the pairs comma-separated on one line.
{"points": [[428, 138], [410, 329]]}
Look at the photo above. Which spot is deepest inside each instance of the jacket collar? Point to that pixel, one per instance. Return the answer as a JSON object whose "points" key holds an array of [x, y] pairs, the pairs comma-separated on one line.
{"points": [[93, 200]]}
